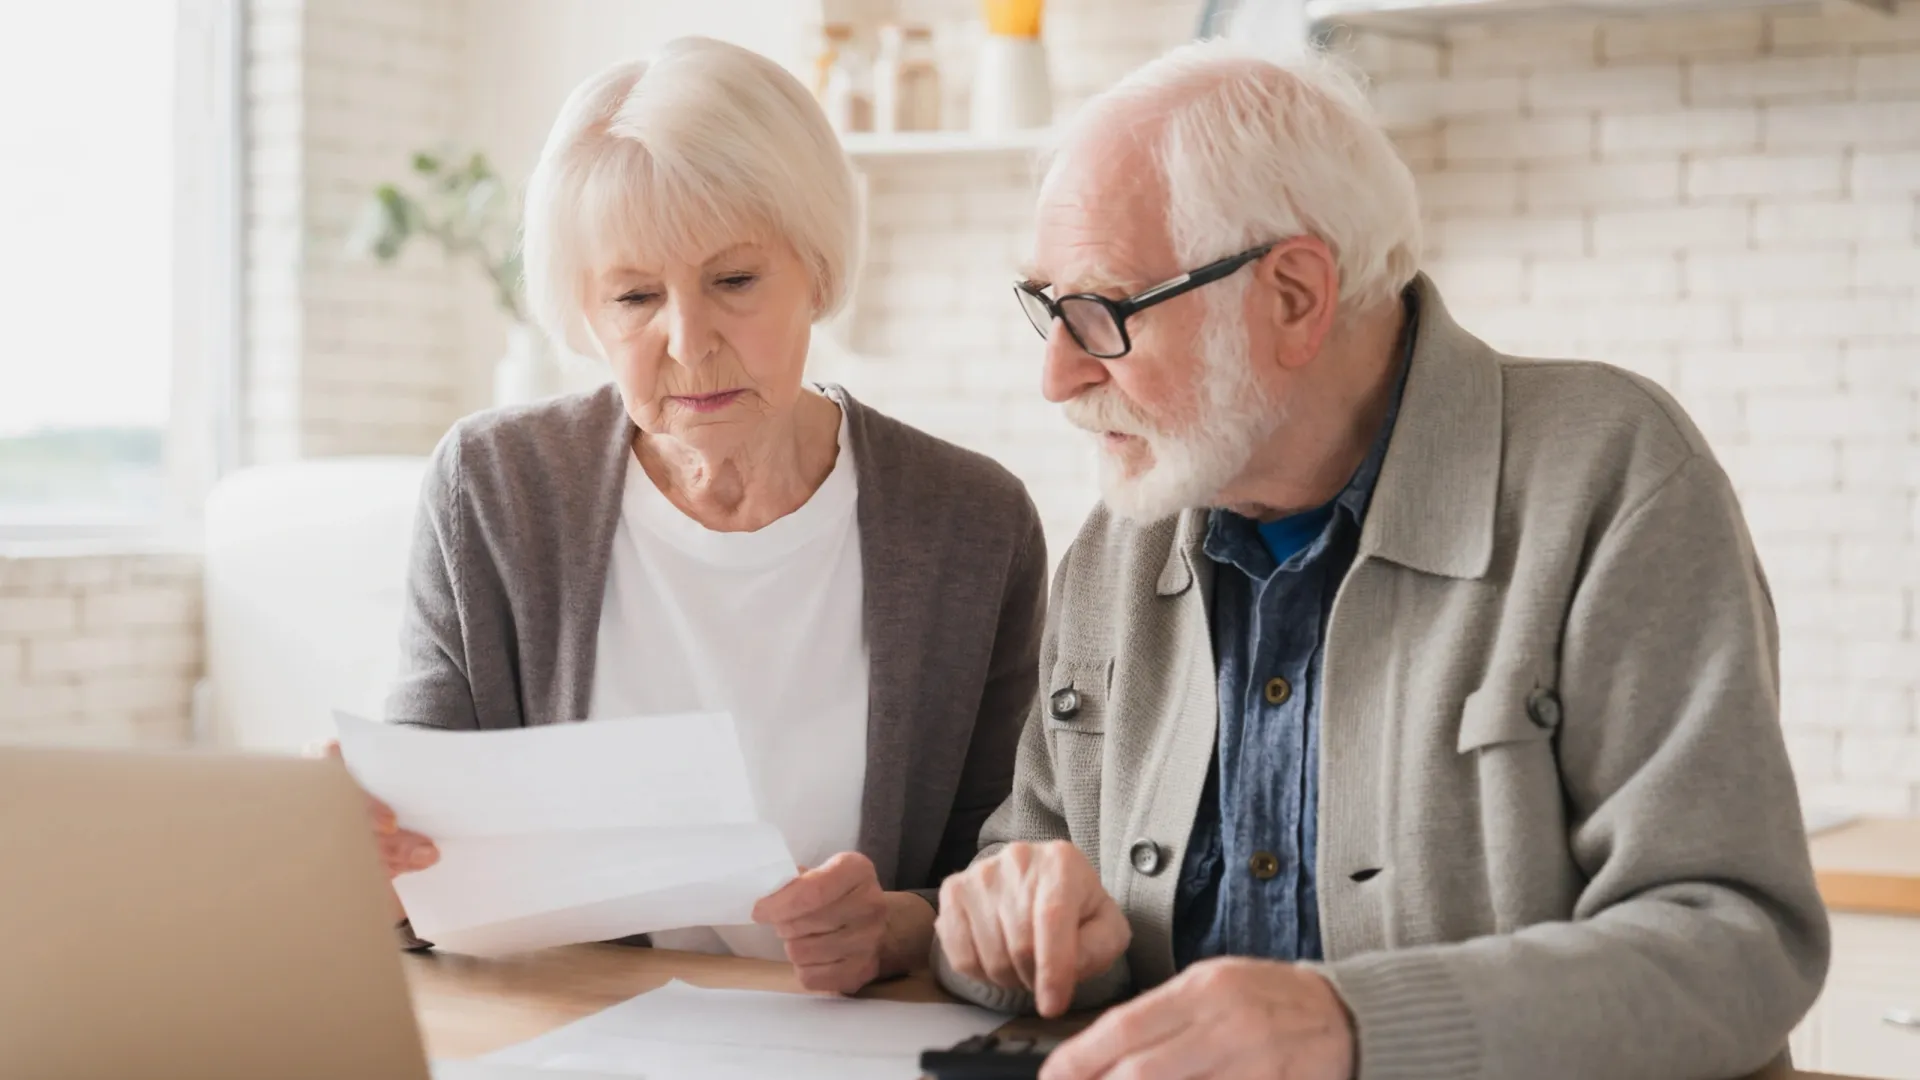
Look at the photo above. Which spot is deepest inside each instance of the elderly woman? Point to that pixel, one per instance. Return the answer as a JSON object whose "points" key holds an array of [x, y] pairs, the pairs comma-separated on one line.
{"points": [[711, 532]]}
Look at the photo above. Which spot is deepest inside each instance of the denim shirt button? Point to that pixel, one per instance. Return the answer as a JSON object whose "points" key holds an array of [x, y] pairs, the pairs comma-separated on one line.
{"points": [[1278, 691]]}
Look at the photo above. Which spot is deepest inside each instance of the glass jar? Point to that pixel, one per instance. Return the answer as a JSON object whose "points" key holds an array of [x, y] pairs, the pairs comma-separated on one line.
{"points": [[840, 81], [906, 80]]}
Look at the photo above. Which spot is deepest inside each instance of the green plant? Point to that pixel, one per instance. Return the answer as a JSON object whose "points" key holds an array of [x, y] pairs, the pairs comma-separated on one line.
{"points": [[464, 206]]}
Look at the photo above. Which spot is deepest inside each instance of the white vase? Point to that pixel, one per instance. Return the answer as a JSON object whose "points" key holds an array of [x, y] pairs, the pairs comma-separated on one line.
{"points": [[528, 371], [1012, 90]]}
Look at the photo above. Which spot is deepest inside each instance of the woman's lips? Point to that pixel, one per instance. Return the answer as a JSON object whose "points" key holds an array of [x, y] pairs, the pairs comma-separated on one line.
{"points": [[706, 403]]}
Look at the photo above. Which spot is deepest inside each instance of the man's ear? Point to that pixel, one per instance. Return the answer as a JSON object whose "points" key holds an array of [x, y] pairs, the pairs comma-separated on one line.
{"points": [[1301, 279]]}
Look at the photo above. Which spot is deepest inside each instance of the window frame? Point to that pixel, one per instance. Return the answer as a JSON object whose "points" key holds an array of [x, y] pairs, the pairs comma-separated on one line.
{"points": [[200, 436]]}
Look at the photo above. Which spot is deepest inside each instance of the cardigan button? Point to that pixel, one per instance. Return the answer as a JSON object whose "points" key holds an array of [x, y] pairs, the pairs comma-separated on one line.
{"points": [[1065, 704], [1146, 858], [1543, 708]]}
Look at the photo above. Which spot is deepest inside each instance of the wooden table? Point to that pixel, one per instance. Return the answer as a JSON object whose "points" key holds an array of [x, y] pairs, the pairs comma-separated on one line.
{"points": [[1870, 866], [470, 1007]]}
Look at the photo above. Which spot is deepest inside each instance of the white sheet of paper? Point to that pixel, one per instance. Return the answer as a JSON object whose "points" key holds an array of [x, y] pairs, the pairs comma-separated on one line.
{"points": [[564, 833], [483, 1070], [682, 1031]]}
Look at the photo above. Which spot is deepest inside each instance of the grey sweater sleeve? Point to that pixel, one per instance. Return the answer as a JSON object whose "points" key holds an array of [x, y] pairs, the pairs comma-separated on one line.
{"points": [[433, 688], [1699, 939], [1005, 701]]}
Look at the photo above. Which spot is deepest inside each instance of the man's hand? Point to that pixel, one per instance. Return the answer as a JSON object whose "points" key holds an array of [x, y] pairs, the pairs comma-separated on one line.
{"points": [[1032, 916], [1223, 1019]]}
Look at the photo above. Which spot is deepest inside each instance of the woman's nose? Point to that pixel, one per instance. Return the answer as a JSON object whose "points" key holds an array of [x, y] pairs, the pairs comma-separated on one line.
{"points": [[689, 331]]}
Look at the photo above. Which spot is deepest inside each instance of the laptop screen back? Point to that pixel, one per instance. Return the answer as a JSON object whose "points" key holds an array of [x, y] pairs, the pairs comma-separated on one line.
{"points": [[194, 914]]}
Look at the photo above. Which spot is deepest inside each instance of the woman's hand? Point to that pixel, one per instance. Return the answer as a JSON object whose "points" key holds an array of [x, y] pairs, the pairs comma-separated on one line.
{"points": [[842, 931], [401, 852]]}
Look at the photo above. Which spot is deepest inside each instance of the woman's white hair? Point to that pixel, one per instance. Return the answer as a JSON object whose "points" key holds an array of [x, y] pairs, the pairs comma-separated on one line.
{"points": [[1255, 149], [703, 142]]}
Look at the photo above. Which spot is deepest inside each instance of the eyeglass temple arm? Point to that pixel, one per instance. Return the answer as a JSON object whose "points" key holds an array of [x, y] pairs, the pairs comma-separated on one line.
{"points": [[1206, 275]]}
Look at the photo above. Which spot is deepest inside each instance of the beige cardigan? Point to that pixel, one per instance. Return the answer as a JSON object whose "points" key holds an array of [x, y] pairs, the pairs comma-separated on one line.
{"points": [[1558, 833]]}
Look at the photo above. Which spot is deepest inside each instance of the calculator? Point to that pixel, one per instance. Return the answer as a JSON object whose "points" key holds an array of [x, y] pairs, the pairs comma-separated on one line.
{"points": [[989, 1057]]}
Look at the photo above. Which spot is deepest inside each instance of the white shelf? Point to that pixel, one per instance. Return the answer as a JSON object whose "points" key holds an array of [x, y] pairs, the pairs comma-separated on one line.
{"points": [[867, 146], [1427, 17]]}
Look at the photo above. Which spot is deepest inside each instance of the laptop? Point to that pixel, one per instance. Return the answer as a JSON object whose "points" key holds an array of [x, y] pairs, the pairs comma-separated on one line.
{"points": [[184, 914]]}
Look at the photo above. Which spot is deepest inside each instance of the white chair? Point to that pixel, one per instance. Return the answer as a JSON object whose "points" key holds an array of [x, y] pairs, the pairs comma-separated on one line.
{"points": [[305, 563]]}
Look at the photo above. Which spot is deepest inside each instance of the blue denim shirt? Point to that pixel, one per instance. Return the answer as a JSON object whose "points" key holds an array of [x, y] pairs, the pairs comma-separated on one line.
{"points": [[1247, 884]]}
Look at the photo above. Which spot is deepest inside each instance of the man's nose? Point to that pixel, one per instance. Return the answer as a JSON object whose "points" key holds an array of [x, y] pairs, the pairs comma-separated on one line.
{"points": [[1069, 370]]}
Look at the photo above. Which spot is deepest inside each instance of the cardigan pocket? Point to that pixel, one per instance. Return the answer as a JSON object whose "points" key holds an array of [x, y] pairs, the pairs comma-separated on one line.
{"points": [[1507, 748], [1075, 714], [1076, 701], [1507, 710]]}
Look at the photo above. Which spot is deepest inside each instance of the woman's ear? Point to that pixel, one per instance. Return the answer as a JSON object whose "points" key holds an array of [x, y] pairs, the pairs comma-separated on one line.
{"points": [[1301, 279]]}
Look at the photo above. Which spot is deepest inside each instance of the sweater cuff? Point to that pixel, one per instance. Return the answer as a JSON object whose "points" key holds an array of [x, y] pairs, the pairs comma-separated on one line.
{"points": [[1411, 1017], [1099, 991]]}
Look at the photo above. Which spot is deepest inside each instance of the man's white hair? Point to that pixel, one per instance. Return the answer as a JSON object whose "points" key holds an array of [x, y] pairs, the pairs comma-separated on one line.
{"points": [[1255, 149], [650, 159]]}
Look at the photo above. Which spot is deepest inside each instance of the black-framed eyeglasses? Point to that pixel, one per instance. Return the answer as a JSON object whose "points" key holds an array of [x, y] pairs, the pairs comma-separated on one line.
{"points": [[1099, 324]]}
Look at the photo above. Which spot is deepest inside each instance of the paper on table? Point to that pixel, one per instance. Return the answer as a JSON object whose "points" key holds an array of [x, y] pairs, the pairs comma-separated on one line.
{"points": [[686, 1031], [481, 1070], [564, 833]]}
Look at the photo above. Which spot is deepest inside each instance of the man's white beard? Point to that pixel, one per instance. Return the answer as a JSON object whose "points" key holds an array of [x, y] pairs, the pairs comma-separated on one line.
{"points": [[1188, 470]]}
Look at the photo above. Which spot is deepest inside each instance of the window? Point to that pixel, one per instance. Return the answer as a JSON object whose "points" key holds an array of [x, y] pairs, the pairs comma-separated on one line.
{"points": [[87, 106]]}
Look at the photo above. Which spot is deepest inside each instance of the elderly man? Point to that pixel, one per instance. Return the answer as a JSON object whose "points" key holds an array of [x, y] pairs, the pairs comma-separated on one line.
{"points": [[1408, 710]]}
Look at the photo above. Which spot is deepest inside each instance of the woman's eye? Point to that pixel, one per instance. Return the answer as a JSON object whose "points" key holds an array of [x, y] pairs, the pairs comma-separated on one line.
{"points": [[636, 299], [737, 281]]}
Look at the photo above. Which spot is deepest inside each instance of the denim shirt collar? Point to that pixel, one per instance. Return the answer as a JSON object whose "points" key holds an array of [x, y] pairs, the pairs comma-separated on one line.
{"points": [[1234, 540]]}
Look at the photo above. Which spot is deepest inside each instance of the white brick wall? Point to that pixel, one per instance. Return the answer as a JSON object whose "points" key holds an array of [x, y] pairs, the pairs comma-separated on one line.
{"points": [[344, 357], [1753, 242], [940, 340], [98, 649]]}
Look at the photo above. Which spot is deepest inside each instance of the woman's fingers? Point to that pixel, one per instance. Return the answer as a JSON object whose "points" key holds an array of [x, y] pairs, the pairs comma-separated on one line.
{"points": [[818, 949], [816, 891], [831, 919], [839, 977], [404, 852], [385, 822]]}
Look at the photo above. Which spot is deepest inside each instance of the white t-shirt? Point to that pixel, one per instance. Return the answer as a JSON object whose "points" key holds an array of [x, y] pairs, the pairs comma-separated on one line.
{"points": [[765, 625]]}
